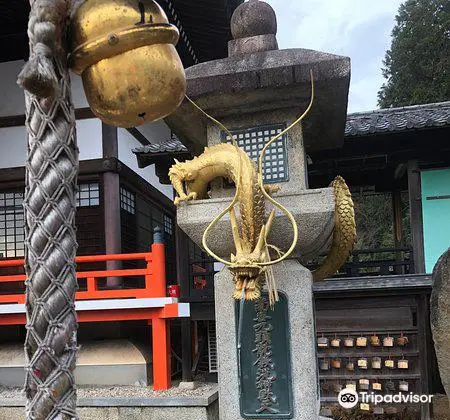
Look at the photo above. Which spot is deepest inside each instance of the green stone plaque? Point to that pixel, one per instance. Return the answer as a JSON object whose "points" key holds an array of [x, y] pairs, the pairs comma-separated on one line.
{"points": [[264, 360]]}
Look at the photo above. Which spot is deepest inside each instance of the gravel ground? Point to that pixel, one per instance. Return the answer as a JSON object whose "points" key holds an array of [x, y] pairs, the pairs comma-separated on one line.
{"points": [[203, 389]]}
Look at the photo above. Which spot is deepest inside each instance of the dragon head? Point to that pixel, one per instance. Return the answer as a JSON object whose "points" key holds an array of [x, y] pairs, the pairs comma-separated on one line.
{"points": [[182, 171], [247, 277], [182, 175], [248, 273]]}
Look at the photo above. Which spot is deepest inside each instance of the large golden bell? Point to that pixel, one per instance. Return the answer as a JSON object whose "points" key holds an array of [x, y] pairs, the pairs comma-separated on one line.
{"points": [[125, 53]]}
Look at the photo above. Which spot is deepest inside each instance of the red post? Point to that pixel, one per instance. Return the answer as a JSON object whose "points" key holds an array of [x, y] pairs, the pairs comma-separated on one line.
{"points": [[91, 285], [160, 327], [148, 274], [161, 354], [158, 284]]}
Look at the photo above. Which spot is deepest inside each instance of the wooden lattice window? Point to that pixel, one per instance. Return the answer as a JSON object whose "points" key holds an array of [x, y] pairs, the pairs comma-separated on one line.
{"points": [[252, 140], [88, 195], [168, 225], [127, 201], [12, 233]]}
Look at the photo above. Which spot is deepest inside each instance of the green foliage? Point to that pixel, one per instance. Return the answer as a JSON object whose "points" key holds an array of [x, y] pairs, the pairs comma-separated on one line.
{"points": [[417, 67], [375, 227], [374, 221]]}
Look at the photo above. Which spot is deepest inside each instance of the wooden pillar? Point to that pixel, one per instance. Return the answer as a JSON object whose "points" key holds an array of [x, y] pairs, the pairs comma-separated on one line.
{"points": [[186, 349], [182, 252], [415, 211], [398, 232], [183, 276], [111, 202]]}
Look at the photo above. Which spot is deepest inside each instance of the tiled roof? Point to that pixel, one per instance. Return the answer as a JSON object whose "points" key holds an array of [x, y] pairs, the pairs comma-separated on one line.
{"points": [[359, 124], [169, 146], [398, 119]]}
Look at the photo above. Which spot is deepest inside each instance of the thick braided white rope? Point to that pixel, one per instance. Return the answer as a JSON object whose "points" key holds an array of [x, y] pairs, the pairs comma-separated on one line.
{"points": [[52, 168]]}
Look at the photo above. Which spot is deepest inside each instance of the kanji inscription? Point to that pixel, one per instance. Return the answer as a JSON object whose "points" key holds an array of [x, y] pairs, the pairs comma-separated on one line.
{"points": [[265, 374], [265, 363]]}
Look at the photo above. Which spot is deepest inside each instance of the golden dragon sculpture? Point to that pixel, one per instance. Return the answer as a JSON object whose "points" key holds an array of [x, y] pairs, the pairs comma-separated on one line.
{"points": [[252, 261]]}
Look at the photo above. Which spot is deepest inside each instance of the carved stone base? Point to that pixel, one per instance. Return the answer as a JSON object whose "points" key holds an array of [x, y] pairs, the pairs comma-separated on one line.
{"points": [[296, 282]]}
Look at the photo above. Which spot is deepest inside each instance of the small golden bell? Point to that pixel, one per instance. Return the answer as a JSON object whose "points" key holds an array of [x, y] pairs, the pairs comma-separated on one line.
{"points": [[125, 53]]}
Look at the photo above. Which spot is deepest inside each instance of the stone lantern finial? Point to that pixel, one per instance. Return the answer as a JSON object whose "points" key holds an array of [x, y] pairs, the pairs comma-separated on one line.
{"points": [[254, 28]]}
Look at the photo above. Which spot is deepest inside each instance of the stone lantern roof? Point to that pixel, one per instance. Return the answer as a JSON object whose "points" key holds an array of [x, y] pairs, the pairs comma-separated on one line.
{"points": [[257, 77]]}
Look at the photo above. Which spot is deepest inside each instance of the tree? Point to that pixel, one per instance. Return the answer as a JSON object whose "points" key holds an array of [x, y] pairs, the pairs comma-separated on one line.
{"points": [[417, 67]]}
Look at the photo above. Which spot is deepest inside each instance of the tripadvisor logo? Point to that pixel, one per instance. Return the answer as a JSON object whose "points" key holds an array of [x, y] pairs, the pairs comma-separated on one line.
{"points": [[349, 398], [400, 398]]}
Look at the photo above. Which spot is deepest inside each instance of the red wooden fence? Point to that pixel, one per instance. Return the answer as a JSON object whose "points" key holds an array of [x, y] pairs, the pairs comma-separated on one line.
{"points": [[139, 303]]}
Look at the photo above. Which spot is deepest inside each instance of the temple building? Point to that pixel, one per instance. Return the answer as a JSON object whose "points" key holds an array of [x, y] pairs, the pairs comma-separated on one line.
{"points": [[396, 161]]}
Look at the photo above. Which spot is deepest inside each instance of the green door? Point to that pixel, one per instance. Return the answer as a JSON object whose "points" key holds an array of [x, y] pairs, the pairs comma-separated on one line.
{"points": [[436, 214]]}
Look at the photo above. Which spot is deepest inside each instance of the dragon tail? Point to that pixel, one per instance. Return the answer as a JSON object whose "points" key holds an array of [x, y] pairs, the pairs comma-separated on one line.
{"points": [[344, 234]]}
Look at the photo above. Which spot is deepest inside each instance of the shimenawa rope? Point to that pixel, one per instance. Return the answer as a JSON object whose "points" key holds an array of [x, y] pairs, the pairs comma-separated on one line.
{"points": [[51, 173]]}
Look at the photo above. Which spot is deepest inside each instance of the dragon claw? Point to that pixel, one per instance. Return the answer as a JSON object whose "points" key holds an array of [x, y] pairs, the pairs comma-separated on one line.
{"points": [[272, 189], [185, 197]]}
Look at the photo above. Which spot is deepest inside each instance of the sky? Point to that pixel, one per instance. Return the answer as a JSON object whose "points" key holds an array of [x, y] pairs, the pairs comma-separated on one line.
{"points": [[359, 29]]}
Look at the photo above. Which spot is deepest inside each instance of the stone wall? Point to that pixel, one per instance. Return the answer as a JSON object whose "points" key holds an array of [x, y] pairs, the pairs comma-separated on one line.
{"points": [[130, 413], [204, 406]]}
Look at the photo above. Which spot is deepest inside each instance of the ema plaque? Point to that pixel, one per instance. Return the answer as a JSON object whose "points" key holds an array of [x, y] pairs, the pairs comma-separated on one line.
{"points": [[265, 360]]}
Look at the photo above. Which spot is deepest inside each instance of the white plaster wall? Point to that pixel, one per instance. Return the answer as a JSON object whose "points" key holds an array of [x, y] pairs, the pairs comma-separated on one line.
{"points": [[13, 147], [12, 101], [155, 132], [78, 97], [89, 138], [126, 143], [13, 143]]}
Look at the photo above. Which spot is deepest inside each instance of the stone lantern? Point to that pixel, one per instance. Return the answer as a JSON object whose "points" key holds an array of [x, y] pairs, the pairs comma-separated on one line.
{"points": [[256, 92]]}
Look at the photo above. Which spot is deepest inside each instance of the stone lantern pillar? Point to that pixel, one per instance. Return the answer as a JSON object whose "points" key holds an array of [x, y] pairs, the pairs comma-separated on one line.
{"points": [[256, 92]]}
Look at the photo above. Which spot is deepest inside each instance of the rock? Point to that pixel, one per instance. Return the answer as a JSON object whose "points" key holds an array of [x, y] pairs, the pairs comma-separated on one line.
{"points": [[188, 385], [440, 316], [441, 408]]}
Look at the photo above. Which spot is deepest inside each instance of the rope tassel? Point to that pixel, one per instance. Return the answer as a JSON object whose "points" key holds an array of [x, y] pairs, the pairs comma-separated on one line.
{"points": [[38, 75], [45, 29]]}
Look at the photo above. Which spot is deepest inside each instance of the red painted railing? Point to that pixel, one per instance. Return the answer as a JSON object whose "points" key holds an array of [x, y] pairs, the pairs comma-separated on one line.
{"points": [[154, 287], [153, 273]]}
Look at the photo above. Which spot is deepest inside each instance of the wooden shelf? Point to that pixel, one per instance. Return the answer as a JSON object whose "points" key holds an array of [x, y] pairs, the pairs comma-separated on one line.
{"points": [[362, 314], [359, 354], [394, 376], [365, 333]]}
